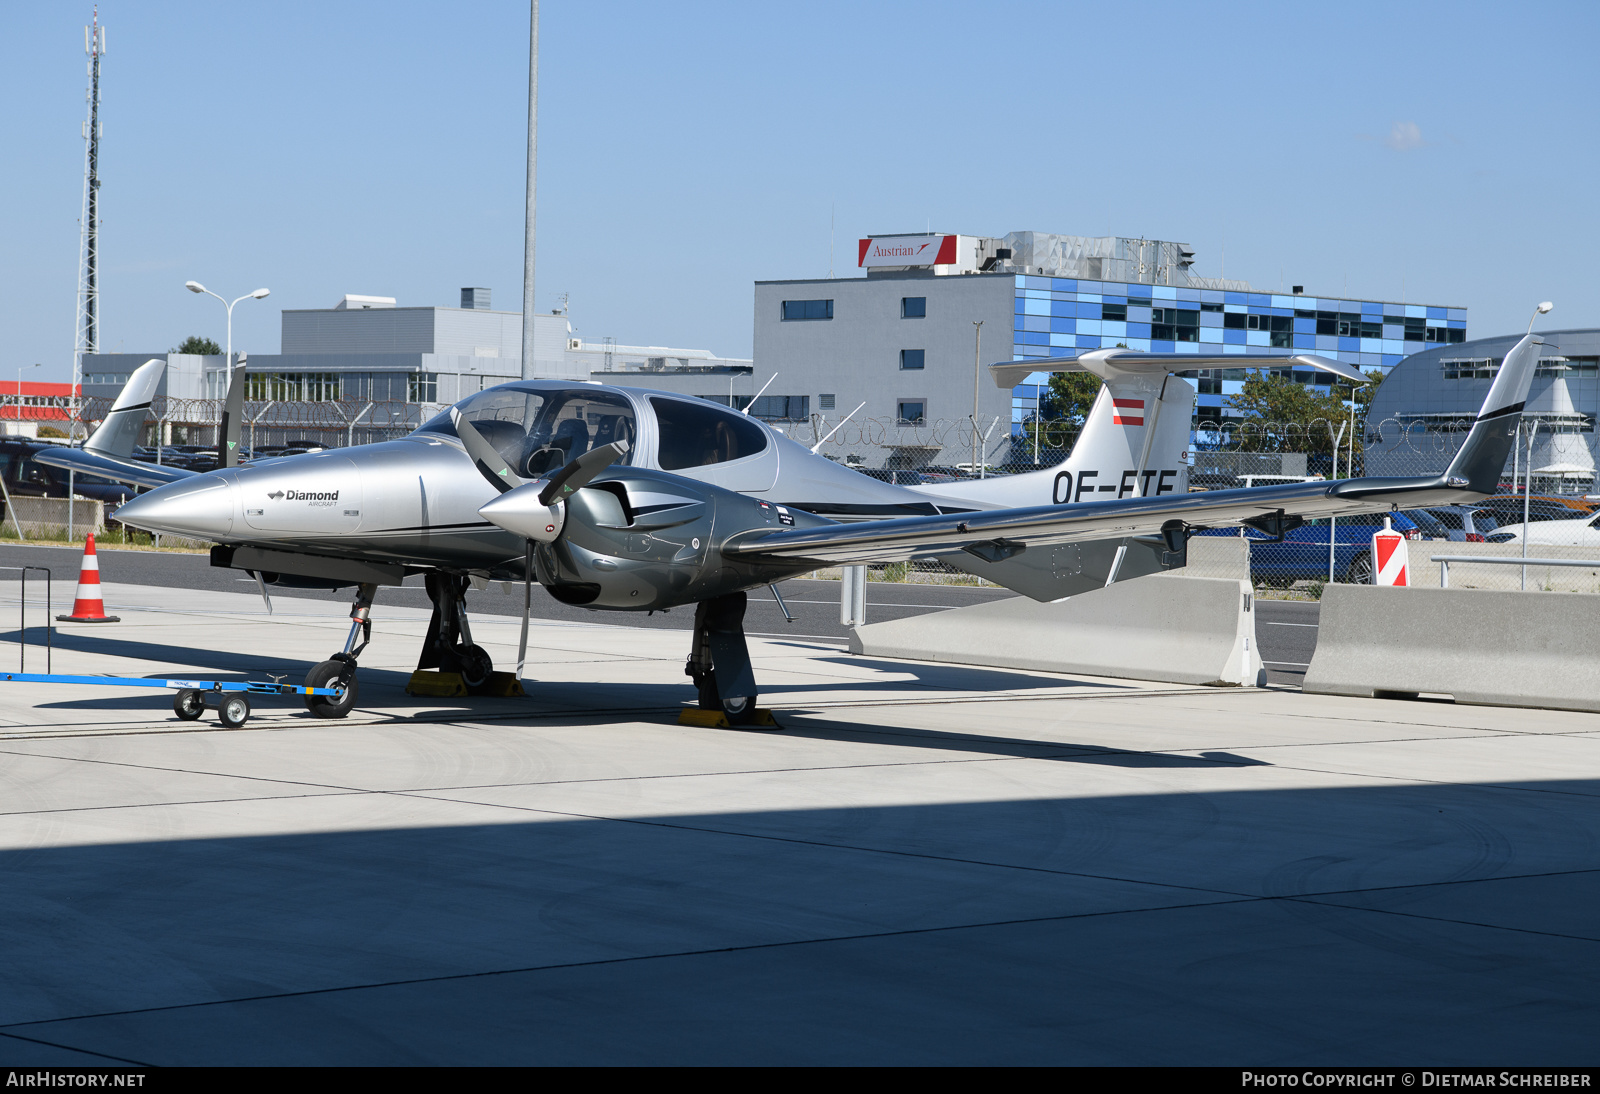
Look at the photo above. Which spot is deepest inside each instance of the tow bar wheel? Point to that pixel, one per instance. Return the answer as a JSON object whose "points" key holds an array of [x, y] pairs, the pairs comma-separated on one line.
{"points": [[188, 704], [234, 711]]}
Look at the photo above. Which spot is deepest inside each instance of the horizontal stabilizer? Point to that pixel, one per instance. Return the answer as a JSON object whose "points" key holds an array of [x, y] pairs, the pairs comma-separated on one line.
{"points": [[1114, 364]]}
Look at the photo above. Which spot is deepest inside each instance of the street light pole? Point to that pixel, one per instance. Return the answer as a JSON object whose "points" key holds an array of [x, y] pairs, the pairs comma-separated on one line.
{"points": [[227, 360], [19, 392]]}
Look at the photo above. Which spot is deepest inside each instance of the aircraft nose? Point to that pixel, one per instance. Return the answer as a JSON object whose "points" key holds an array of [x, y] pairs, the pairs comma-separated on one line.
{"points": [[202, 508]]}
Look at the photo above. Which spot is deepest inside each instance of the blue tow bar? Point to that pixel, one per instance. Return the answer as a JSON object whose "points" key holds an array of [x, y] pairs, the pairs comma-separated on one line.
{"points": [[228, 697]]}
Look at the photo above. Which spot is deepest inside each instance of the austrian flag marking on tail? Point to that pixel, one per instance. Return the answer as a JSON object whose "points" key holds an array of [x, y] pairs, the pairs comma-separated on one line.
{"points": [[1127, 412]]}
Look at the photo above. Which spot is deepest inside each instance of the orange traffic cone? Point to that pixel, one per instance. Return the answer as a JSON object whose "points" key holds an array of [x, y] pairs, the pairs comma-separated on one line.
{"points": [[89, 607]]}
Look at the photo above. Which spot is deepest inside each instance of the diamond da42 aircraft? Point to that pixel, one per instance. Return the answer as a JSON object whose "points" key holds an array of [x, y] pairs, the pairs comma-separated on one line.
{"points": [[625, 499]]}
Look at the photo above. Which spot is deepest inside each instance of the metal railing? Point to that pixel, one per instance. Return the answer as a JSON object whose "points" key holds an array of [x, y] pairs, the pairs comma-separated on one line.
{"points": [[22, 618], [1444, 562]]}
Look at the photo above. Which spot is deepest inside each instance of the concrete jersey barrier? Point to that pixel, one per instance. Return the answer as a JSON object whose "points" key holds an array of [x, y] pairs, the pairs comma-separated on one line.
{"points": [[1494, 647], [1185, 630]]}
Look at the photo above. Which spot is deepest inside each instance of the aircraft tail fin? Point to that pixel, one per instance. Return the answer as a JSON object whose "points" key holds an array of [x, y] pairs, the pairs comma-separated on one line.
{"points": [[1482, 458], [1135, 440], [119, 433]]}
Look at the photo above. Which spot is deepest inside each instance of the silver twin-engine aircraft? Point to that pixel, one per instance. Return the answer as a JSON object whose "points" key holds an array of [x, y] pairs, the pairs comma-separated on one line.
{"points": [[624, 499]]}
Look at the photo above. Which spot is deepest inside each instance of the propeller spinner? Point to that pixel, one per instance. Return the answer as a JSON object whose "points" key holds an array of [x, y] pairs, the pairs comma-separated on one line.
{"points": [[533, 509]]}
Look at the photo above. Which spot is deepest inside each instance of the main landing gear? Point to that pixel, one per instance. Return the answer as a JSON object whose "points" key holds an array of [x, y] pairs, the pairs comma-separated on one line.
{"points": [[719, 661], [449, 646], [340, 669]]}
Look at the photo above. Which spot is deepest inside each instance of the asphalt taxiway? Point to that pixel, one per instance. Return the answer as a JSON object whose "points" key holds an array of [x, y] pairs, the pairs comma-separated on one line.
{"points": [[927, 864]]}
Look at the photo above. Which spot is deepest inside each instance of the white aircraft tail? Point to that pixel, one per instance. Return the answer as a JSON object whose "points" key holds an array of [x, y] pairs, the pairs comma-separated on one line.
{"points": [[1135, 441], [119, 433]]}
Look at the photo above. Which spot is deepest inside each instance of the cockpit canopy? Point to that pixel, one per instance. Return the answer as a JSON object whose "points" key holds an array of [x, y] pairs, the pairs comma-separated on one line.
{"points": [[537, 429]]}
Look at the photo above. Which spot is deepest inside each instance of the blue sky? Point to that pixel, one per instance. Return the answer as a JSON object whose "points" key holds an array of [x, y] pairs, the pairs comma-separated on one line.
{"points": [[1437, 153]]}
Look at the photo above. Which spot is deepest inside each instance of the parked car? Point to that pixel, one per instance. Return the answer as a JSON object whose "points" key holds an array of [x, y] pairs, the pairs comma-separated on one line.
{"points": [[1462, 523], [897, 476], [1507, 508], [1556, 533], [1303, 552], [27, 478]]}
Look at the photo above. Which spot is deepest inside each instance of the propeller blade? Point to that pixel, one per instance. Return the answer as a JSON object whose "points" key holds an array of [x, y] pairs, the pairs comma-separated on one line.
{"points": [[581, 472], [491, 465], [232, 420], [527, 605]]}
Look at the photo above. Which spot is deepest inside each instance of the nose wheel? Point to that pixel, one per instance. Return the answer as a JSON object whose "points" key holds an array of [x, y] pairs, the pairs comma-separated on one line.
{"points": [[339, 671]]}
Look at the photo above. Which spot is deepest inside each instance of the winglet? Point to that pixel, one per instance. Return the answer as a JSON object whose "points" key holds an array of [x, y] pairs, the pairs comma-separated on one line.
{"points": [[119, 433]]}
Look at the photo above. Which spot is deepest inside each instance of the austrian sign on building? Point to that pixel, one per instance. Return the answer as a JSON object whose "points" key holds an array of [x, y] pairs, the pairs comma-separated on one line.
{"points": [[918, 250]]}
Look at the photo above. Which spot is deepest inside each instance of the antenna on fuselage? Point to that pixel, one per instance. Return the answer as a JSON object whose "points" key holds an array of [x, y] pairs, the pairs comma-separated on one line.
{"points": [[757, 395], [838, 427]]}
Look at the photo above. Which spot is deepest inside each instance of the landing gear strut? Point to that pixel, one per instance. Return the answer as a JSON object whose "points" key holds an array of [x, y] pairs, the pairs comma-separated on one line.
{"points": [[719, 661], [340, 669], [448, 646]]}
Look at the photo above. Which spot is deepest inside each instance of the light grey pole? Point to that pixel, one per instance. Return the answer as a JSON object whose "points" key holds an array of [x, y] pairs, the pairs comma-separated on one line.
{"points": [[977, 369], [1038, 418], [533, 160], [1333, 522], [1527, 488]]}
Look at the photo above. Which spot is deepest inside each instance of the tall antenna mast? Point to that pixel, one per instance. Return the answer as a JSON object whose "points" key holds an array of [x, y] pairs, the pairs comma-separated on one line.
{"points": [[88, 317]]}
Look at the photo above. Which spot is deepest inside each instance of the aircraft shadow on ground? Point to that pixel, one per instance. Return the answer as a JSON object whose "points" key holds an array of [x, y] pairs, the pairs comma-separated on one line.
{"points": [[1169, 928], [823, 728], [224, 664]]}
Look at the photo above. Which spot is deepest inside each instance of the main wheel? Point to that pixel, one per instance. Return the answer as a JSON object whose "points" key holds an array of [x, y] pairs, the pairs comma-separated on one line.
{"points": [[739, 708], [234, 711], [188, 704], [476, 665], [1359, 572], [332, 674]]}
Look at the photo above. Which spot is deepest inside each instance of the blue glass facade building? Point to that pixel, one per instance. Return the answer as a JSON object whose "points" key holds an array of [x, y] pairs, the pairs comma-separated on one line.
{"points": [[1059, 317]]}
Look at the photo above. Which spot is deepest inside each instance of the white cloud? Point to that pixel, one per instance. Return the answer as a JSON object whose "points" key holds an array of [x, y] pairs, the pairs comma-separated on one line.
{"points": [[1404, 136]]}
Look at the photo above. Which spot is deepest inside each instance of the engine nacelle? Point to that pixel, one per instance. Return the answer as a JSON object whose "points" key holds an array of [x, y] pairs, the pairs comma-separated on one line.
{"points": [[642, 540]]}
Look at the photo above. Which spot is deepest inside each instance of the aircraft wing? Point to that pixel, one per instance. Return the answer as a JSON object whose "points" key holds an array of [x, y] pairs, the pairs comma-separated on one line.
{"points": [[998, 534], [86, 461], [1003, 533]]}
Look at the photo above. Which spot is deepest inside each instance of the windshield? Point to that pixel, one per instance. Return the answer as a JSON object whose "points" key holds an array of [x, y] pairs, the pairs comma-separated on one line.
{"points": [[538, 429]]}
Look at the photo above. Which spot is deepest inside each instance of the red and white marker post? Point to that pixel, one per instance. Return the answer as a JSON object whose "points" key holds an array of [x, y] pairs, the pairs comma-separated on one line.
{"points": [[89, 606], [1390, 559]]}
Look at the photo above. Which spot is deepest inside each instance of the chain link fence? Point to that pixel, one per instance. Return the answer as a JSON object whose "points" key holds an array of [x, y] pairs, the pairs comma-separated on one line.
{"points": [[332, 424]]}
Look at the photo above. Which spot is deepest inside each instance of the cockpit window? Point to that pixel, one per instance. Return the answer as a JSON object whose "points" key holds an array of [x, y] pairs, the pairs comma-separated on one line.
{"points": [[696, 434], [538, 430]]}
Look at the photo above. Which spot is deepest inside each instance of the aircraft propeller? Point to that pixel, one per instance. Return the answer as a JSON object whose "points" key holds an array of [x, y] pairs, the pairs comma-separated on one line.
{"points": [[538, 519]]}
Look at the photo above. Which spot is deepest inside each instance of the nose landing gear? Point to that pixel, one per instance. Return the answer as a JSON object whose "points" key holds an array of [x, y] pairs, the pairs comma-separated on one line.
{"points": [[340, 669]]}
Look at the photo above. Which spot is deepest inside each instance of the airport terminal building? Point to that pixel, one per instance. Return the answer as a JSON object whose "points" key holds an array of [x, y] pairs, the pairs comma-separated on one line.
{"points": [[903, 339]]}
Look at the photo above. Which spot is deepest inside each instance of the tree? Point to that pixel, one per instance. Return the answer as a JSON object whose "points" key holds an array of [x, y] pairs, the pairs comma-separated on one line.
{"points": [[204, 347], [1282, 415]]}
